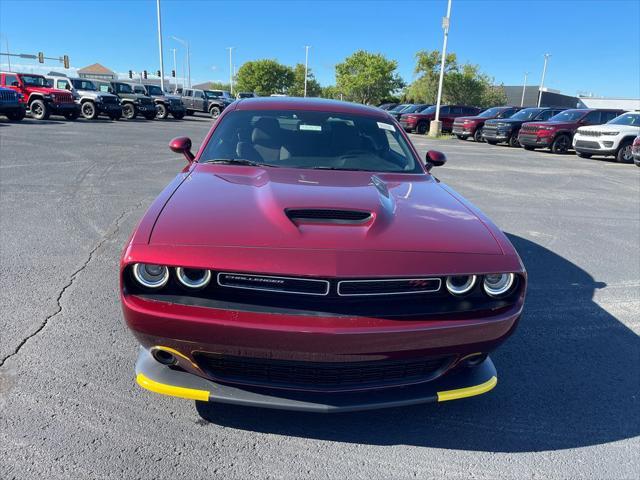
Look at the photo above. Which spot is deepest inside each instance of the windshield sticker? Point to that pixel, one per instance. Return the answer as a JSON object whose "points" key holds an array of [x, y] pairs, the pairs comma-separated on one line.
{"points": [[311, 128], [386, 126]]}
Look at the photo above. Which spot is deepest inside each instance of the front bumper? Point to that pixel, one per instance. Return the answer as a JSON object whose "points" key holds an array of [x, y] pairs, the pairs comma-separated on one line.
{"points": [[63, 108], [408, 127], [109, 108], [594, 146], [461, 131], [533, 140], [496, 135], [466, 382], [11, 108], [176, 109], [145, 107]]}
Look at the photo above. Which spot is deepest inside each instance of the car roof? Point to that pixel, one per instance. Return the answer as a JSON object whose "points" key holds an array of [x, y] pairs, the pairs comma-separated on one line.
{"points": [[309, 104]]}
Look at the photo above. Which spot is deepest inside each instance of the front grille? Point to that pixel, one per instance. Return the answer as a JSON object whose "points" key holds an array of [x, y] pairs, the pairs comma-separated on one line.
{"points": [[320, 375], [388, 287], [590, 133], [529, 129], [587, 144], [63, 98], [327, 216], [8, 96], [269, 283]]}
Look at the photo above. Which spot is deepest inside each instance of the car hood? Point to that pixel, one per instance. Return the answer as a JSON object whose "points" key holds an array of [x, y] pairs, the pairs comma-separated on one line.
{"points": [[610, 128], [225, 205], [552, 124], [473, 118], [46, 90], [495, 121]]}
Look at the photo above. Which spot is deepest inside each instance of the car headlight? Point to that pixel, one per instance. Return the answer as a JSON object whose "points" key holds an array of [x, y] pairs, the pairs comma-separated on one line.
{"points": [[193, 277], [497, 284], [460, 284], [545, 128], [151, 276], [610, 133], [99, 99], [48, 97]]}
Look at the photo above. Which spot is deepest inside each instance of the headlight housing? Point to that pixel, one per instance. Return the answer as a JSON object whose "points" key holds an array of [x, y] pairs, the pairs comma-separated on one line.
{"points": [[461, 284], [150, 275], [99, 99], [610, 133], [498, 284], [193, 277]]}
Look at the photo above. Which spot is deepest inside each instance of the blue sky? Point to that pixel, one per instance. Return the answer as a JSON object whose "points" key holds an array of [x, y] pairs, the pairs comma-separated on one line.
{"points": [[595, 44]]}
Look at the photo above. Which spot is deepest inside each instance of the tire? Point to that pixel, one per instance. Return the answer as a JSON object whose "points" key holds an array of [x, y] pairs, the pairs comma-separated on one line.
{"points": [[178, 116], [39, 110], [161, 111], [491, 142], [421, 128], [561, 144], [115, 116], [89, 110], [528, 147], [624, 155], [129, 111], [583, 155], [16, 116], [214, 112], [72, 115], [189, 112], [150, 116], [513, 140], [477, 135]]}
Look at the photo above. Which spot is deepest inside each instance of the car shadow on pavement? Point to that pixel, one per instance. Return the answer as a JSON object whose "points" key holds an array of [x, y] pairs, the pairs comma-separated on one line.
{"points": [[569, 377]]}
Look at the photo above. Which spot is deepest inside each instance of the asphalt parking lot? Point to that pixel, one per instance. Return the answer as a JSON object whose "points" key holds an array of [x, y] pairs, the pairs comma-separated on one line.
{"points": [[567, 404]]}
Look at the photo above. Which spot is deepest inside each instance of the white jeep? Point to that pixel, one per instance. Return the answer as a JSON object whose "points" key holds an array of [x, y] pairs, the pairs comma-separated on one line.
{"points": [[612, 139]]}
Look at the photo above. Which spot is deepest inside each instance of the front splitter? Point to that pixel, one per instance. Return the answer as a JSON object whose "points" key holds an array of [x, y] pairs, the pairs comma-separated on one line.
{"points": [[466, 382]]}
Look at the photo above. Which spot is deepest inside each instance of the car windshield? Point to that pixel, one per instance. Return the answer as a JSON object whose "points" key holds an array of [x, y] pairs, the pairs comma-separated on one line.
{"points": [[490, 112], [155, 90], [413, 109], [123, 88], [210, 94], [568, 116], [83, 85], [310, 140], [431, 109], [399, 108], [526, 114], [34, 80], [632, 119]]}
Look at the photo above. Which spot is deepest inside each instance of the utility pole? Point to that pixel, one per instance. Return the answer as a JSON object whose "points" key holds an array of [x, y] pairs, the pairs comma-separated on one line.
{"points": [[524, 86], [185, 44], [306, 67], [230, 70], [175, 69], [6, 40], [436, 126], [160, 46], [544, 72]]}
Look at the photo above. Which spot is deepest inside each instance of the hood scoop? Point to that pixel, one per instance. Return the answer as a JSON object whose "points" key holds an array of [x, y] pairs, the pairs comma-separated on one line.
{"points": [[331, 216]]}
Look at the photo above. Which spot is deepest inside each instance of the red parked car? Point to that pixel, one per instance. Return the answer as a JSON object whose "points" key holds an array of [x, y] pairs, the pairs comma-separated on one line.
{"points": [[556, 134], [306, 259], [39, 98], [465, 127], [419, 122]]}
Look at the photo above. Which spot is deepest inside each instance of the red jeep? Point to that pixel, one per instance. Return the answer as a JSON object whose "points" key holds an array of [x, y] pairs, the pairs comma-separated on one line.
{"points": [[40, 99]]}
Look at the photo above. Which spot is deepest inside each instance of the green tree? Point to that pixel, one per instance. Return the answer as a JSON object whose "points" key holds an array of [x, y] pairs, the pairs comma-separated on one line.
{"points": [[330, 91], [264, 77], [424, 89], [297, 89], [216, 86], [367, 77]]}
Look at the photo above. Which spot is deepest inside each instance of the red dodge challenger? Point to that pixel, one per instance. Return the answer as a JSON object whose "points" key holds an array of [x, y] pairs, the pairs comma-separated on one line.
{"points": [[306, 259]]}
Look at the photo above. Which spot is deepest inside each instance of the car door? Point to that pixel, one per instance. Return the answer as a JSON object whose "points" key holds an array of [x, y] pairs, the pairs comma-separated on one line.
{"points": [[187, 99], [448, 115], [198, 101]]}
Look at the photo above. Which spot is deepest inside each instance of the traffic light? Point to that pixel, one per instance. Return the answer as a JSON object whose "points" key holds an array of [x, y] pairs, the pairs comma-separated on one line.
{"points": [[173, 73], [65, 60], [157, 73], [144, 74], [130, 74], [41, 57]]}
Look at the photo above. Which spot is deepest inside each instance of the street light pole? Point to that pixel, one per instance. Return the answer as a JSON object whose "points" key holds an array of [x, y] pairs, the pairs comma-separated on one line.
{"points": [[185, 44], [306, 67], [436, 126], [160, 46], [230, 70], [544, 72], [524, 86], [175, 70], [6, 40]]}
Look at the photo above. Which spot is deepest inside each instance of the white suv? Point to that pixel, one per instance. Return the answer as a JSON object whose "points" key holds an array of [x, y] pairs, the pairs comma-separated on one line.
{"points": [[613, 139]]}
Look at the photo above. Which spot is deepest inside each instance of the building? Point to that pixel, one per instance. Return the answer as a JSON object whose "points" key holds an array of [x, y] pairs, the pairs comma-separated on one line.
{"points": [[554, 98], [97, 72]]}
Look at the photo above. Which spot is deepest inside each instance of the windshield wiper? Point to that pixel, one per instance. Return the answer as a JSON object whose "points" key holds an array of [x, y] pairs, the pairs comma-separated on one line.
{"points": [[240, 161], [340, 168]]}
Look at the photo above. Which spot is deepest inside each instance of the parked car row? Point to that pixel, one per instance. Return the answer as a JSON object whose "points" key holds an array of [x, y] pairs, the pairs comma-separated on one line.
{"points": [[604, 132], [41, 97]]}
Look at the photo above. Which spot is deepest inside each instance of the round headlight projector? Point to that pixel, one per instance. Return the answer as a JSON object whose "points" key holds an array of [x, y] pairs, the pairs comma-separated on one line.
{"points": [[151, 276], [193, 277], [497, 284], [461, 284]]}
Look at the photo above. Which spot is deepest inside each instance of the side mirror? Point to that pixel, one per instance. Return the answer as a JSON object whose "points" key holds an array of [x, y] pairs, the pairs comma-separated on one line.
{"points": [[15, 84], [182, 145], [434, 159]]}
